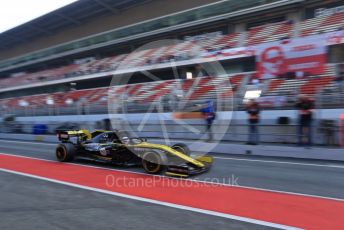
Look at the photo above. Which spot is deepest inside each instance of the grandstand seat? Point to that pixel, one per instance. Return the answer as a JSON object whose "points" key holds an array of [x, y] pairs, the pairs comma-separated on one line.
{"points": [[202, 88], [132, 90], [98, 95], [269, 32], [153, 91], [256, 35], [274, 84], [322, 24], [309, 86], [287, 87], [229, 40], [194, 89], [315, 85], [158, 95], [199, 92], [228, 90]]}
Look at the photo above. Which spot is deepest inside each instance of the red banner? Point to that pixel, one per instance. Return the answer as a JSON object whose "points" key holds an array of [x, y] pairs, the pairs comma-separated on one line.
{"points": [[335, 38], [307, 55]]}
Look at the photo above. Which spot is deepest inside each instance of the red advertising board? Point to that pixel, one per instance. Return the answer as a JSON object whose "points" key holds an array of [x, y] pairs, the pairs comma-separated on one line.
{"points": [[334, 38], [307, 55]]}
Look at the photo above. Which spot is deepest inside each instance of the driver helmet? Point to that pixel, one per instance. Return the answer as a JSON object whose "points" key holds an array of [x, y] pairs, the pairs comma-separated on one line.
{"points": [[125, 140]]}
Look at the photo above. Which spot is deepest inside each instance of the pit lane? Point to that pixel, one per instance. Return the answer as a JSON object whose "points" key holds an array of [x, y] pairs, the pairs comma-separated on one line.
{"points": [[28, 203], [318, 179]]}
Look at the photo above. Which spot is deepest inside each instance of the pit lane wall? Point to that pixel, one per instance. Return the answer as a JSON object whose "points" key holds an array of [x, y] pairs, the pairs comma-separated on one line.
{"points": [[191, 131], [228, 126]]}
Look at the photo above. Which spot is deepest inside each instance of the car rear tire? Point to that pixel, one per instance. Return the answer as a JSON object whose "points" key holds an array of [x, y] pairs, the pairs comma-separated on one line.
{"points": [[182, 148], [65, 152], [154, 162]]}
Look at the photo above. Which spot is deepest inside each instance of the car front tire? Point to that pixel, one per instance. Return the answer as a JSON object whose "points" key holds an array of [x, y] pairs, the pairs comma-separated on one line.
{"points": [[182, 148], [154, 162]]}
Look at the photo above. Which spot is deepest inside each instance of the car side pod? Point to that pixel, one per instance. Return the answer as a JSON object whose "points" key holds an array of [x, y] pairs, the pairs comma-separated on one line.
{"points": [[204, 159]]}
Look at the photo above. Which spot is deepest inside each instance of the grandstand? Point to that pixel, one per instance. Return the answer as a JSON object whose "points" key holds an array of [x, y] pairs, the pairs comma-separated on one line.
{"points": [[71, 74]]}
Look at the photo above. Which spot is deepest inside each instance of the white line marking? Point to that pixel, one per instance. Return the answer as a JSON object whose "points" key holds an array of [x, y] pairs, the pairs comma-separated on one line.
{"points": [[194, 180], [203, 211], [281, 162]]}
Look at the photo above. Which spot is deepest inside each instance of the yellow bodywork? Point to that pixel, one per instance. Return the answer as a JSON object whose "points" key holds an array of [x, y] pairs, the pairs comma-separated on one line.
{"points": [[207, 159], [80, 132], [169, 150], [175, 174], [197, 162]]}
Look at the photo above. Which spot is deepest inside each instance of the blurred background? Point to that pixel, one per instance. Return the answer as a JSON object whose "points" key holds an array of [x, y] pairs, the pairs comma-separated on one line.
{"points": [[56, 70]]}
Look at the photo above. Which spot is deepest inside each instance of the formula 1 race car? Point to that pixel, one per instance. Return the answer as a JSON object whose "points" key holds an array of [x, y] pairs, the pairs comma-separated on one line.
{"points": [[116, 147]]}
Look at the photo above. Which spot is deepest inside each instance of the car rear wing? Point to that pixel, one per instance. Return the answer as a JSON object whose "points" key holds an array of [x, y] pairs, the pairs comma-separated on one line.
{"points": [[66, 135]]}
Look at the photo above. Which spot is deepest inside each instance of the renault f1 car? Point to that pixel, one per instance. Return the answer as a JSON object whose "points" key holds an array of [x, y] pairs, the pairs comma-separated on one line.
{"points": [[116, 147]]}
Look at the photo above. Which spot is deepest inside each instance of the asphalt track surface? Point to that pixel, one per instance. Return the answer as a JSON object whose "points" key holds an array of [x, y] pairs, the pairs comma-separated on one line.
{"points": [[30, 203]]}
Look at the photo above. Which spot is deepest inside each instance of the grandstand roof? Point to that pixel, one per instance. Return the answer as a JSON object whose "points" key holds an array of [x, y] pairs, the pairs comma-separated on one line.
{"points": [[74, 14]]}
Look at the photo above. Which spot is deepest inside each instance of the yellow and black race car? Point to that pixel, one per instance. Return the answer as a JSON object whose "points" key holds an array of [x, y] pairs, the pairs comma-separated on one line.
{"points": [[118, 148]]}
